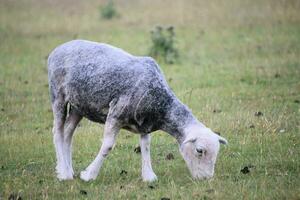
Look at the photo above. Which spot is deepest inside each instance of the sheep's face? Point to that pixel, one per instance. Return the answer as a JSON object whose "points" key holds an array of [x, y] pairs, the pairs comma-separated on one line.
{"points": [[199, 150]]}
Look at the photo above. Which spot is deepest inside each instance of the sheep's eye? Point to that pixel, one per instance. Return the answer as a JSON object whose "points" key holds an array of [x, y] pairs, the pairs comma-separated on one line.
{"points": [[200, 151]]}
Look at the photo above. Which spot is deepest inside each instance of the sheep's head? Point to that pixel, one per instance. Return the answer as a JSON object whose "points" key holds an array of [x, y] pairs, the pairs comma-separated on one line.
{"points": [[199, 150]]}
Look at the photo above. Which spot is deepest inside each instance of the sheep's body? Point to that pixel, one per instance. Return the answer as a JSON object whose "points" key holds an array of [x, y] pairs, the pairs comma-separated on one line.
{"points": [[107, 85], [92, 80]]}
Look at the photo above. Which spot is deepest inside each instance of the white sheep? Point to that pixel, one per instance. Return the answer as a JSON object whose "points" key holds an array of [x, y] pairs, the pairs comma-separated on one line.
{"points": [[107, 85]]}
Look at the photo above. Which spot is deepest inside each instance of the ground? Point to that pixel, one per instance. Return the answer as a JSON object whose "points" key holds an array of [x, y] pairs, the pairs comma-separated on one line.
{"points": [[239, 72]]}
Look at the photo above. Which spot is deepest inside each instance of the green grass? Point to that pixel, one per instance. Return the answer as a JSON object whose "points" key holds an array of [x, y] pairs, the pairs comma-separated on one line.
{"points": [[237, 56]]}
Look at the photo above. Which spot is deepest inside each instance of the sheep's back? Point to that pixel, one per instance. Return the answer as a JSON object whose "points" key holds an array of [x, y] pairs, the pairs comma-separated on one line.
{"points": [[92, 75]]}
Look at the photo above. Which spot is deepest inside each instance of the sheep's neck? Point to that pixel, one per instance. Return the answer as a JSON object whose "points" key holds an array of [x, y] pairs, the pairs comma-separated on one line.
{"points": [[178, 120]]}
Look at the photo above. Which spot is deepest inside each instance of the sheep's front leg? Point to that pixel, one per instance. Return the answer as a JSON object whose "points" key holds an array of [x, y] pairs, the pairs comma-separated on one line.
{"points": [[147, 172], [111, 130]]}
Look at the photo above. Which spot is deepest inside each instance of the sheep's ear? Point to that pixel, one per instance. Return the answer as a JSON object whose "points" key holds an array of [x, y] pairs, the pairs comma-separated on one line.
{"points": [[192, 140], [222, 140]]}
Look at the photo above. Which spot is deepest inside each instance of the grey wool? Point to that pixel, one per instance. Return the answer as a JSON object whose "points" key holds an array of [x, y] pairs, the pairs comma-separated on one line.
{"points": [[96, 78], [108, 85]]}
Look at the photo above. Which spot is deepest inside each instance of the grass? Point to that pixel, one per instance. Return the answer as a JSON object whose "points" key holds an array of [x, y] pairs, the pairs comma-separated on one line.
{"points": [[236, 57]]}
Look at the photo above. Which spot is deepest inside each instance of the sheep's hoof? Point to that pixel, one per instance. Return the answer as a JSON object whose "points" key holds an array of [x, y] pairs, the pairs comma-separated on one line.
{"points": [[149, 177], [86, 176], [62, 176]]}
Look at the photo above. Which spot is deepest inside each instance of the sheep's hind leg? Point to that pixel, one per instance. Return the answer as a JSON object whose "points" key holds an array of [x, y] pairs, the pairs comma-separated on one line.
{"points": [[147, 172], [72, 121], [111, 130], [59, 113]]}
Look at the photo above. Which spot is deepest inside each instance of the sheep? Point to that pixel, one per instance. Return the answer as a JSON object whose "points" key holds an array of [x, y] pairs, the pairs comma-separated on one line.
{"points": [[110, 86]]}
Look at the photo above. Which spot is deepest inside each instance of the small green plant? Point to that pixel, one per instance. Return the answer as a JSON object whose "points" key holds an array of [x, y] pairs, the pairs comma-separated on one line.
{"points": [[163, 44], [108, 11]]}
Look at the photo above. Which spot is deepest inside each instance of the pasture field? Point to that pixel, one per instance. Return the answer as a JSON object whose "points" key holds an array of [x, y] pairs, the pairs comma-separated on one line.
{"points": [[239, 72]]}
